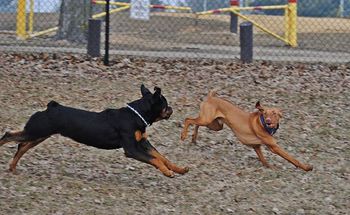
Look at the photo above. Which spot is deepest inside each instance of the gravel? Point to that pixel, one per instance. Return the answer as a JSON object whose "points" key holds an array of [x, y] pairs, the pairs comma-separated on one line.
{"points": [[61, 176]]}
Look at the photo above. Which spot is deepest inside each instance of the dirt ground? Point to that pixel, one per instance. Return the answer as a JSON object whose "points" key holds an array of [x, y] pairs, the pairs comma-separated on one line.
{"points": [[63, 177]]}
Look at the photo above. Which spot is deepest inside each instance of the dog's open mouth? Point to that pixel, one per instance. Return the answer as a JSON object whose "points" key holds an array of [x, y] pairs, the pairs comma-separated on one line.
{"points": [[271, 125]]}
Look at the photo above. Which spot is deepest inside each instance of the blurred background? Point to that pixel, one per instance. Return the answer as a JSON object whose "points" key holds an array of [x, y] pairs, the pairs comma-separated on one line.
{"points": [[182, 27]]}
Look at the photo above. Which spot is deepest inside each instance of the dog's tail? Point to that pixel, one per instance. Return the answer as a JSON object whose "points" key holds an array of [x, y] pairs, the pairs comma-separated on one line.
{"points": [[212, 93], [52, 104]]}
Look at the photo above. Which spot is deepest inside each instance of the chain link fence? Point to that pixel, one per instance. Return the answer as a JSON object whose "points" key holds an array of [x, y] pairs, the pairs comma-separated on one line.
{"points": [[186, 28]]}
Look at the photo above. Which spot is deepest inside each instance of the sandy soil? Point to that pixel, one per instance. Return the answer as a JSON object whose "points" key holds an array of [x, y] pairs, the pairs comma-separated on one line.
{"points": [[63, 177]]}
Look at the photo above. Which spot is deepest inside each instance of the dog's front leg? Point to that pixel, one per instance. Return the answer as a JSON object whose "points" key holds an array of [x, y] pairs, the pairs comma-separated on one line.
{"points": [[271, 143], [261, 157], [139, 150], [154, 153], [278, 150], [168, 164], [147, 158]]}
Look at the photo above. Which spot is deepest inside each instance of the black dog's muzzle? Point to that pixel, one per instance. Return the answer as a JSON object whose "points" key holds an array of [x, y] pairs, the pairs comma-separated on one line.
{"points": [[167, 113]]}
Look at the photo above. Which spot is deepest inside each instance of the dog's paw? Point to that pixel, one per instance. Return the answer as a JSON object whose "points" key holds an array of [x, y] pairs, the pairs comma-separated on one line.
{"points": [[194, 139], [272, 167], [169, 174], [308, 167], [185, 170], [12, 170]]}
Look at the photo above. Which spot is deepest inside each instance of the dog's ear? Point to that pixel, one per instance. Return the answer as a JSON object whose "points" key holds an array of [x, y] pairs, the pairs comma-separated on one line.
{"points": [[157, 91], [144, 90], [280, 113], [259, 107]]}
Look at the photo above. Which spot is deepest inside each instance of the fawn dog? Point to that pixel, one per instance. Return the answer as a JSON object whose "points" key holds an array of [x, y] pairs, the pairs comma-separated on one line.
{"points": [[252, 129]]}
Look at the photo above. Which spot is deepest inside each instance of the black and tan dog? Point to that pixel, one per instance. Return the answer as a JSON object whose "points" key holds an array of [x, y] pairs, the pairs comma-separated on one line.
{"points": [[110, 129]]}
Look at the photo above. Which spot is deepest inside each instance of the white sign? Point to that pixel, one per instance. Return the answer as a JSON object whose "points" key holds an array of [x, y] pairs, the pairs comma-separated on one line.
{"points": [[140, 9]]}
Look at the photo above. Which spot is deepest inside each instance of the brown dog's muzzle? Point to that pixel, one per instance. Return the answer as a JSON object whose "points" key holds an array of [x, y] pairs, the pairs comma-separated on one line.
{"points": [[271, 122]]}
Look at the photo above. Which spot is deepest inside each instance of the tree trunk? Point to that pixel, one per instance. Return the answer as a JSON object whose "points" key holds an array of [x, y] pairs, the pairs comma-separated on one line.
{"points": [[73, 21]]}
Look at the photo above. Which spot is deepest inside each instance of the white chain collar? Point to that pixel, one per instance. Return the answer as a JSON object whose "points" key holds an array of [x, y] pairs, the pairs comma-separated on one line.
{"points": [[138, 114]]}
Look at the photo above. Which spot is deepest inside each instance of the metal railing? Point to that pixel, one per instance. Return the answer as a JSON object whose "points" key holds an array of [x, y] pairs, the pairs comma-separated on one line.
{"points": [[178, 30]]}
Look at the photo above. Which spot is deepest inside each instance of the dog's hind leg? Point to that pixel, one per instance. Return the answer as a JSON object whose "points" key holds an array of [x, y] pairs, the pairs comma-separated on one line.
{"points": [[23, 148], [38, 126], [16, 136], [195, 134], [207, 115], [216, 125], [202, 120]]}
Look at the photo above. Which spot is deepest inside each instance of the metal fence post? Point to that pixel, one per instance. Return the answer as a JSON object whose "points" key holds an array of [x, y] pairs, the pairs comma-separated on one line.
{"points": [[106, 57], [21, 20], [94, 38], [292, 22], [234, 17], [246, 41]]}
